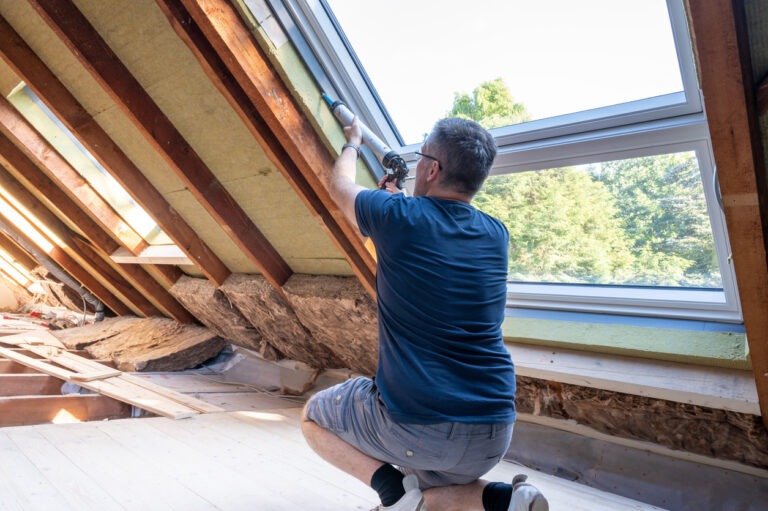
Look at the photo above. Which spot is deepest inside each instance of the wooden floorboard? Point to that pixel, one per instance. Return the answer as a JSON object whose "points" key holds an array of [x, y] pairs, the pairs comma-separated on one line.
{"points": [[252, 459]]}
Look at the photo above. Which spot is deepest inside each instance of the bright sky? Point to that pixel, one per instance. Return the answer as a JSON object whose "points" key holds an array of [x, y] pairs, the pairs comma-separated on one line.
{"points": [[556, 56]]}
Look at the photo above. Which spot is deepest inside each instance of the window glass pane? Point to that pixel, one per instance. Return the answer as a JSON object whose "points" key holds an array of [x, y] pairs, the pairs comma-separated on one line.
{"points": [[554, 56], [640, 222]]}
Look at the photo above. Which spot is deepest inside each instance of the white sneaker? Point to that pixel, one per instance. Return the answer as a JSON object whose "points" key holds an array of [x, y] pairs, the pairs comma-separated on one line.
{"points": [[413, 500], [526, 497]]}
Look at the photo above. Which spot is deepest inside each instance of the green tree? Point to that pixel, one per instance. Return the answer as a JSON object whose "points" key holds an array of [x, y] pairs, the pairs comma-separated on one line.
{"points": [[665, 215], [491, 105], [562, 224], [639, 221]]}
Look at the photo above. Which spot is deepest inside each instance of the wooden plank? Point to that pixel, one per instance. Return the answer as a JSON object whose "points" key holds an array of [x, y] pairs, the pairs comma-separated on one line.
{"points": [[23, 410], [195, 404], [129, 476], [44, 344], [78, 491], [30, 339], [22, 481], [93, 52], [154, 254], [111, 387], [18, 55], [264, 103], [150, 298], [712, 387], [726, 83], [11, 367], [29, 384]]}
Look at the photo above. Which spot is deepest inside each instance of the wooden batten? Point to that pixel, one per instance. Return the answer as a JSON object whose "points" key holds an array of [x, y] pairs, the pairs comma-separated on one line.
{"points": [[47, 86], [288, 140], [93, 52], [724, 68]]}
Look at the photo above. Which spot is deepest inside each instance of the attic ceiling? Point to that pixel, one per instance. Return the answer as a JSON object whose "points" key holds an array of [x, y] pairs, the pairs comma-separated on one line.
{"points": [[180, 102]]}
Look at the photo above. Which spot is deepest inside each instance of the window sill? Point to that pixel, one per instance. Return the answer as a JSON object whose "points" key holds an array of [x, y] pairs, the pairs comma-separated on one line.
{"points": [[541, 350], [691, 342]]}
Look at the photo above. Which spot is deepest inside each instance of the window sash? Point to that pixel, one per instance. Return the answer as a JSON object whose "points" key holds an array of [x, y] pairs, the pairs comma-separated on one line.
{"points": [[638, 128]]}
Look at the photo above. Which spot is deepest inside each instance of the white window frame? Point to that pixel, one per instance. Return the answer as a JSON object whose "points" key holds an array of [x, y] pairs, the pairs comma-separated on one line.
{"points": [[668, 123]]}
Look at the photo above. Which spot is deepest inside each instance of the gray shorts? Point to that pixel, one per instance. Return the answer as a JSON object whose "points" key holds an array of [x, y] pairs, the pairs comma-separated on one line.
{"points": [[438, 454]]}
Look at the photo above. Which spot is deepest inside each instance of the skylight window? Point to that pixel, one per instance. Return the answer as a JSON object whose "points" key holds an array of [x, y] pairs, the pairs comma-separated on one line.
{"points": [[571, 91]]}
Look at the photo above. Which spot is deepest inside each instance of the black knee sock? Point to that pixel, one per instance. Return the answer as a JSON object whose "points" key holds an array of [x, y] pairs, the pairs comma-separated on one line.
{"points": [[388, 483], [497, 496]]}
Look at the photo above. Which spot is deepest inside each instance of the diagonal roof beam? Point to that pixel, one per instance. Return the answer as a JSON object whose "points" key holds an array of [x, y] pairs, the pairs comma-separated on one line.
{"points": [[20, 57], [50, 227], [95, 55], [24, 136], [20, 255], [68, 264], [128, 279], [726, 84], [265, 105]]}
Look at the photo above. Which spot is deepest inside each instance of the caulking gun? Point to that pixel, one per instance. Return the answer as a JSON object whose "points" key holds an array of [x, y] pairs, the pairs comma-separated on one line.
{"points": [[392, 162]]}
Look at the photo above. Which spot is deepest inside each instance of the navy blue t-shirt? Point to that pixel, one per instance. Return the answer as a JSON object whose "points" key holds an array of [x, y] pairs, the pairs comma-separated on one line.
{"points": [[441, 286]]}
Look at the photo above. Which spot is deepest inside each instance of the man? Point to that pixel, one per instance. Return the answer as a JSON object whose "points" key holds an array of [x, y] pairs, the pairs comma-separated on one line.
{"points": [[441, 407]]}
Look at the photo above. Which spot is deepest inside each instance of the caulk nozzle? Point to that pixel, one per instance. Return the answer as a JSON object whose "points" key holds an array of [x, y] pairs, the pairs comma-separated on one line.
{"points": [[327, 98]]}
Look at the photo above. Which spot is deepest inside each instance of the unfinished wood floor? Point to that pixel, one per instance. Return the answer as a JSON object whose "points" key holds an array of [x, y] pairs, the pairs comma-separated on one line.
{"points": [[251, 458]]}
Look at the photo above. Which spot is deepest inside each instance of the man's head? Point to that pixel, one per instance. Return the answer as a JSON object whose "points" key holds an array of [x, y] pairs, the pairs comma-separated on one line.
{"points": [[458, 155]]}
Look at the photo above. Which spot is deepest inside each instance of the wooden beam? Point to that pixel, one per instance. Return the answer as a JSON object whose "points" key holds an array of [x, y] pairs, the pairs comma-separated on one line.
{"points": [[96, 251], [39, 150], [95, 55], [11, 282], [27, 410], [50, 198], [718, 29], [20, 255], [65, 261], [29, 384], [20, 57], [235, 63]]}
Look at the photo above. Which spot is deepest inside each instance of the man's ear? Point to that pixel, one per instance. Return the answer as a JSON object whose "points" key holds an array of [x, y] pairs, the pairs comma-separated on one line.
{"points": [[434, 171]]}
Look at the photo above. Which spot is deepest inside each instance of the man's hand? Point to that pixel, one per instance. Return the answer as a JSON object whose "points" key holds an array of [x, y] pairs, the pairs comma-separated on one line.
{"points": [[390, 186], [353, 132]]}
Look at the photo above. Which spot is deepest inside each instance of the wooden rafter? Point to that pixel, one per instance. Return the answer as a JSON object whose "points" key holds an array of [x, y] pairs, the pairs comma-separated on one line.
{"points": [[39, 150], [20, 57], [18, 253], [724, 67], [26, 137], [72, 255], [130, 279], [261, 99], [95, 55], [68, 264], [13, 283]]}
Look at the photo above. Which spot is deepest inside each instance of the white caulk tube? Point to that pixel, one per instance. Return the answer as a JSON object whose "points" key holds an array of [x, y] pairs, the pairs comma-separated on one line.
{"points": [[392, 162]]}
